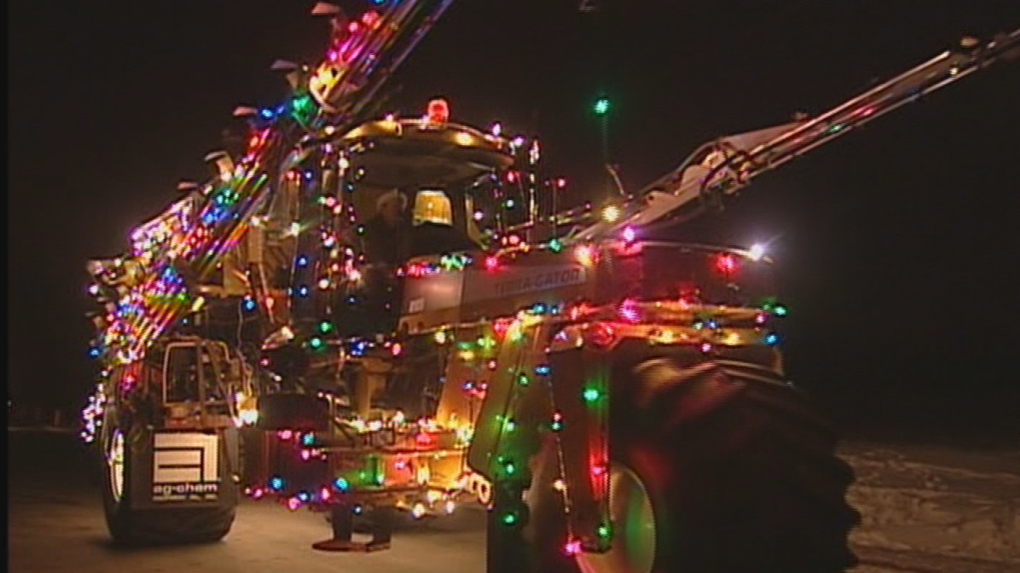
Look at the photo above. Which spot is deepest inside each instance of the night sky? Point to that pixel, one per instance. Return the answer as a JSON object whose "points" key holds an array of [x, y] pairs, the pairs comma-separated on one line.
{"points": [[898, 245]]}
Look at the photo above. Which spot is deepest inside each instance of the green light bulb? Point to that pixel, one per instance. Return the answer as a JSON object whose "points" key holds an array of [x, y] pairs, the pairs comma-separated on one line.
{"points": [[602, 106], [591, 394], [302, 104]]}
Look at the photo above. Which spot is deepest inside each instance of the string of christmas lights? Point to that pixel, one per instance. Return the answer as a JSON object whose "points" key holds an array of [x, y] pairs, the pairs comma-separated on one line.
{"points": [[153, 291]]}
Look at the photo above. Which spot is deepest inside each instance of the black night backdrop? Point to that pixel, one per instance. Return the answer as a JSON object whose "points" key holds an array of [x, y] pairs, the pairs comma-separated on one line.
{"points": [[898, 245]]}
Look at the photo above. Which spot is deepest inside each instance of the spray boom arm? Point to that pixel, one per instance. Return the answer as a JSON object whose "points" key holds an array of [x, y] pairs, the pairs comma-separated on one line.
{"points": [[725, 166]]}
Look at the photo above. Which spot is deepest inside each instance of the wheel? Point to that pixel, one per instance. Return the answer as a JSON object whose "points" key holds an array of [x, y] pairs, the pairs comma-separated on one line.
{"points": [[123, 447], [714, 468]]}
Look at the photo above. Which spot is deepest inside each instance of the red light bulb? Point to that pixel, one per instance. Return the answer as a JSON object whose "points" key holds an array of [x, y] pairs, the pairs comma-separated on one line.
{"points": [[726, 264], [438, 111]]}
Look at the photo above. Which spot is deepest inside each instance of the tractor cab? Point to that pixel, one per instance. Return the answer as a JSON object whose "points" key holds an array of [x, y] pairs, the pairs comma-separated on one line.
{"points": [[413, 200], [433, 164]]}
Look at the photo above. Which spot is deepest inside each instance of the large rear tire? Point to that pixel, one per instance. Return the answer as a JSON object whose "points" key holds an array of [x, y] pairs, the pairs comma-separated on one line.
{"points": [[714, 468], [121, 447]]}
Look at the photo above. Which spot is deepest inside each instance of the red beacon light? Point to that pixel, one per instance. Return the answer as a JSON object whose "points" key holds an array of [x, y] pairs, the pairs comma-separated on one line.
{"points": [[438, 112]]}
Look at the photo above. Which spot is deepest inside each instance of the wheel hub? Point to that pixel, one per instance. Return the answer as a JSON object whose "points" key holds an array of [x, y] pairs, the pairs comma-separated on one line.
{"points": [[115, 464]]}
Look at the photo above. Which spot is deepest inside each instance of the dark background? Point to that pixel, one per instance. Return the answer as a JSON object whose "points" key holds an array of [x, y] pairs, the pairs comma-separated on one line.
{"points": [[898, 245]]}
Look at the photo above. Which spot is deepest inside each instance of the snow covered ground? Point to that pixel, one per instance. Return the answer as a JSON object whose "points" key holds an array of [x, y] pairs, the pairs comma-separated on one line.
{"points": [[925, 509], [934, 509]]}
